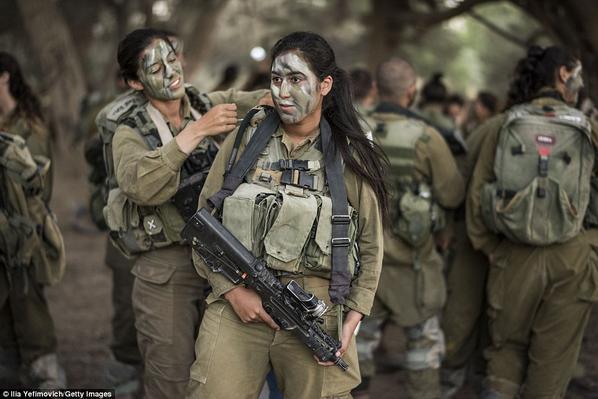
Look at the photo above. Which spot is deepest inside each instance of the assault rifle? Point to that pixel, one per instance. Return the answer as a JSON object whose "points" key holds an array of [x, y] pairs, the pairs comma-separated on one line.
{"points": [[291, 307]]}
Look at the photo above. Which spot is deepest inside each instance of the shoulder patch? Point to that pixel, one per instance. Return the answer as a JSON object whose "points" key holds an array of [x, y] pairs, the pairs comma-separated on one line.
{"points": [[123, 104]]}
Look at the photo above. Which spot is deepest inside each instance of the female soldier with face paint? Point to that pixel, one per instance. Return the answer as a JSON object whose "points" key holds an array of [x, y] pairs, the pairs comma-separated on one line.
{"points": [[528, 211], [157, 145], [238, 341]]}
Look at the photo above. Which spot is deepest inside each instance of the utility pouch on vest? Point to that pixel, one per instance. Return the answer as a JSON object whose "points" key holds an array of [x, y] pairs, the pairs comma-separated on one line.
{"points": [[133, 229], [292, 234], [418, 216], [543, 164]]}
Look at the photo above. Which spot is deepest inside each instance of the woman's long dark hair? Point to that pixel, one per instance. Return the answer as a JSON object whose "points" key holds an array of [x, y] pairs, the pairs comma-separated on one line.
{"points": [[28, 105], [537, 70], [362, 156], [131, 47]]}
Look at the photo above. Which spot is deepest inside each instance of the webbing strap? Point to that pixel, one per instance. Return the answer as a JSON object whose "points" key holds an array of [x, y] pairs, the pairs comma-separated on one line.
{"points": [[237, 171], [340, 280]]}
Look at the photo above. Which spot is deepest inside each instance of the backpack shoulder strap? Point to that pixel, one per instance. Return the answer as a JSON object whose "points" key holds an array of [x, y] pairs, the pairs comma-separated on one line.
{"points": [[236, 171], [340, 280]]}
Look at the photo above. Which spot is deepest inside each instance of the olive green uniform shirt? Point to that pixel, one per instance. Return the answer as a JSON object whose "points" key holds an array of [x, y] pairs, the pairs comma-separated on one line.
{"points": [[360, 196], [481, 237]]}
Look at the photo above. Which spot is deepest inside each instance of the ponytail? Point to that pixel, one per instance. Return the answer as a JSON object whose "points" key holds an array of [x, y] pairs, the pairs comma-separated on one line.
{"points": [[536, 70]]}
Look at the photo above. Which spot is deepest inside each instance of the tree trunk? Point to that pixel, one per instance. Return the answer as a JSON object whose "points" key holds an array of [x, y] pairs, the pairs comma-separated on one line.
{"points": [[385, 32], [198, 42], [63, 79]]}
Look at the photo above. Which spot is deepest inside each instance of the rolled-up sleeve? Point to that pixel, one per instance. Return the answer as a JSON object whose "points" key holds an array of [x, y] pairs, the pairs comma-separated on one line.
{"points": [[148, 177]]}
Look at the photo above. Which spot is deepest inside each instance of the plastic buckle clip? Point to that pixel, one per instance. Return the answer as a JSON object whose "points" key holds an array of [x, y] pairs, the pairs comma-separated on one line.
{"points": [[341, 242], [341, 219]]}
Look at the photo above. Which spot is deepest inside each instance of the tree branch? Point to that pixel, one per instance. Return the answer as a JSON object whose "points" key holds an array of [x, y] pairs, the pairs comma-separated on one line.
{"points": [[497, 29], [424, 19]]}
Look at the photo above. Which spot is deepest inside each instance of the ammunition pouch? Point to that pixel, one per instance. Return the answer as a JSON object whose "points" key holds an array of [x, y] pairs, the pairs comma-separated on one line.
{"points": [[292, 233], [134, 229]]}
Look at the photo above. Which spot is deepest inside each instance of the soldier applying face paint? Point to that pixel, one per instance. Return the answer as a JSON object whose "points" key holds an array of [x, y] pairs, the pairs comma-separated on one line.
{"points": [[162, 143]]}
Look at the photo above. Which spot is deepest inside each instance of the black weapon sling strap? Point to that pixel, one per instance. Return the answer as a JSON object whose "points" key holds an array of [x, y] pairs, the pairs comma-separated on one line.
{"points": [[235, 173]]}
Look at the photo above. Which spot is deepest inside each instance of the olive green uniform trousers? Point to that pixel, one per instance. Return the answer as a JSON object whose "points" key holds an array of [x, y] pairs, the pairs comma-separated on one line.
{"points": [[464, 321], [167, 300], [124, 336], [234, 358], [26, 327], [411, 296], [539, 302]]}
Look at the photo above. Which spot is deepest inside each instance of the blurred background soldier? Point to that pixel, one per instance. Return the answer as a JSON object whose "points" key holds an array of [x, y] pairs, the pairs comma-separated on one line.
{"points": [[411, 291], [526, 210], [32, 253], [431, 106], [365, 97]]}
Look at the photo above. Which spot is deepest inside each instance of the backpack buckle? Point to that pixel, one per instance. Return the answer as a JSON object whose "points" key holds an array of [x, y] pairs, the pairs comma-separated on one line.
{"points": [[341, 219], [341, 242]]}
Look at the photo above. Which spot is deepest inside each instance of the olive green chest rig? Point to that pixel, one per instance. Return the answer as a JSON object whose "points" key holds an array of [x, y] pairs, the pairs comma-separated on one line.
{"points": [[292, 212], [414, 214]]}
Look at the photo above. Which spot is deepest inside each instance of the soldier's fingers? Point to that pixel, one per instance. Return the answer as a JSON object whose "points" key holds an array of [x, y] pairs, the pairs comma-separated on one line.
{"points": [[227, 107], [231, 121], [321, 363], [269, 321]]}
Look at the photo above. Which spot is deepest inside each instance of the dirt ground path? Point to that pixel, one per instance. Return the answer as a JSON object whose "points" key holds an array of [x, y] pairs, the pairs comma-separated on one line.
{"points": [[82, 309]]}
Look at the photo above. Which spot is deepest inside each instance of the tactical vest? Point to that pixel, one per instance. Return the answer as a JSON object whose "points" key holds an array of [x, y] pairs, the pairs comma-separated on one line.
{"points": [[543, 164], [292, 212], [133, 228], [415, 214], [29, 233]]}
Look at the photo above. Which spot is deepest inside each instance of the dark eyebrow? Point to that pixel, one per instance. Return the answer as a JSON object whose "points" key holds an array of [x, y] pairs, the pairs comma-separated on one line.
{"points": [[278, 73]]}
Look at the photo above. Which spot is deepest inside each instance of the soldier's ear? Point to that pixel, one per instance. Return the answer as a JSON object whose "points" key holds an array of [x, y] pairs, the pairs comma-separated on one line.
{"points": [[4, 77], [564, 74], [135, 85], [326, 85]]}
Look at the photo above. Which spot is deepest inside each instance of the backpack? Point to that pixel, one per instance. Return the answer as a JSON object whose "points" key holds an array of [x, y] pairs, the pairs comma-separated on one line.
{"points": [[543, 164], [415, 215], [29, 233]]}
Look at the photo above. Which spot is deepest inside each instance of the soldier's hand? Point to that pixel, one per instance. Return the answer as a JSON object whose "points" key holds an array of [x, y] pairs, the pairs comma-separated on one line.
{"points": [[222, 118], [247, 304], [352, 320]]}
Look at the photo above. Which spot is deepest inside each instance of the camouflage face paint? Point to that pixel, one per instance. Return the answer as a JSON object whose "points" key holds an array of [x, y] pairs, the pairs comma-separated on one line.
{"points": [[161, 73], [574, 84], [295, 88]]}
